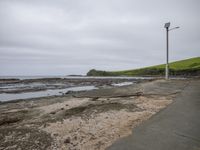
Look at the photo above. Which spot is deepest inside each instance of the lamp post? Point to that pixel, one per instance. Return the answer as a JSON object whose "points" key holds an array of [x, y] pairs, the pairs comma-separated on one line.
{"points": [[167, 25]]}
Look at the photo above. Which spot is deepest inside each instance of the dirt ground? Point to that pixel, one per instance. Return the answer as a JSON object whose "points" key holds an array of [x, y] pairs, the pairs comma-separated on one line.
{"points": [[90, 120]]}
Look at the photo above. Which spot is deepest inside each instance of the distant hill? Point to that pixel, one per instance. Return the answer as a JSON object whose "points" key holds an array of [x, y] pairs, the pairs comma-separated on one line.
{"points": [[187, 67]]}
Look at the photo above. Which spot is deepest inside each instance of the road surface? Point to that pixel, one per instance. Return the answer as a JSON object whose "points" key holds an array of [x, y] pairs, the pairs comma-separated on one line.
{"points": [[175, 128]]}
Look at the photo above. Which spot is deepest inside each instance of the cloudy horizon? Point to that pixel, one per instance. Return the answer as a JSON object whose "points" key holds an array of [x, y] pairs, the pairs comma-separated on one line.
{"points": [[62, 37]]}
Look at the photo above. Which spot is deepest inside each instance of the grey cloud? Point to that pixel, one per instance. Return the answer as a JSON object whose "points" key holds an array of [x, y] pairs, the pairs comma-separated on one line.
{"points": [[48, 37]]}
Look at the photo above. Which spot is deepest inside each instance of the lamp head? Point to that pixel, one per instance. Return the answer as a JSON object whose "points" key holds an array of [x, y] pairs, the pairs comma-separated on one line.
{"points": [[167, 25]]}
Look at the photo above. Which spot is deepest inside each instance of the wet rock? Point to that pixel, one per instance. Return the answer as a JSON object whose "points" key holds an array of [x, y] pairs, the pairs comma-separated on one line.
{"points": [[94, 99], [87, 110], [53, 112], [9, 120], [139, 93], [55, 134], [67, 140], [75, 137], [69, 92], [13, 117], [45, 125]]}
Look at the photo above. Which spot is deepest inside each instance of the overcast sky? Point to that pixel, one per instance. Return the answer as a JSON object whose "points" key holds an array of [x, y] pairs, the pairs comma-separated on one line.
{"points": [[60, 37]]}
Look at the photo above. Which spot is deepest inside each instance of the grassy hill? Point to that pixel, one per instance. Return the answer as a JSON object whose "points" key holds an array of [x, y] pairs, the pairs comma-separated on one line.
{"points": [[185, 67]]}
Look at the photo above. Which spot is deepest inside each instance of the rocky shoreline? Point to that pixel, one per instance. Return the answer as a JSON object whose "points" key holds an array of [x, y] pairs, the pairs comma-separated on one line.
{"points": [[32, 85], [87, 120]]}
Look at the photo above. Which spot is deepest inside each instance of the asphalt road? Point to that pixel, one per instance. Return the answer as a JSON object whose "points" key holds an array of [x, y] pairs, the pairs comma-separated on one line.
{"points": [[177, 127]]}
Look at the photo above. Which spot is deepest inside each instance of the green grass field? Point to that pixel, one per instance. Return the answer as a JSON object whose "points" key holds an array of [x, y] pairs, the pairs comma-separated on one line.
{"points": [[185, 67]]}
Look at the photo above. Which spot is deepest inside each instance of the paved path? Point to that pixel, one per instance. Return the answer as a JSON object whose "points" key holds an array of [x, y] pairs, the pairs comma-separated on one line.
{"points": [[175, 128]]}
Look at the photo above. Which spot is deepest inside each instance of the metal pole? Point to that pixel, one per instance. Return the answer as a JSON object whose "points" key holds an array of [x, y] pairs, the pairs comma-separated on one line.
{"points": [[167, 55]]}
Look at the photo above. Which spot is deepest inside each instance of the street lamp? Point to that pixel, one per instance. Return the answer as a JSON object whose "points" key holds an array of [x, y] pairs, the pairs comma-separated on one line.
{"points": [[167, 25]]}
